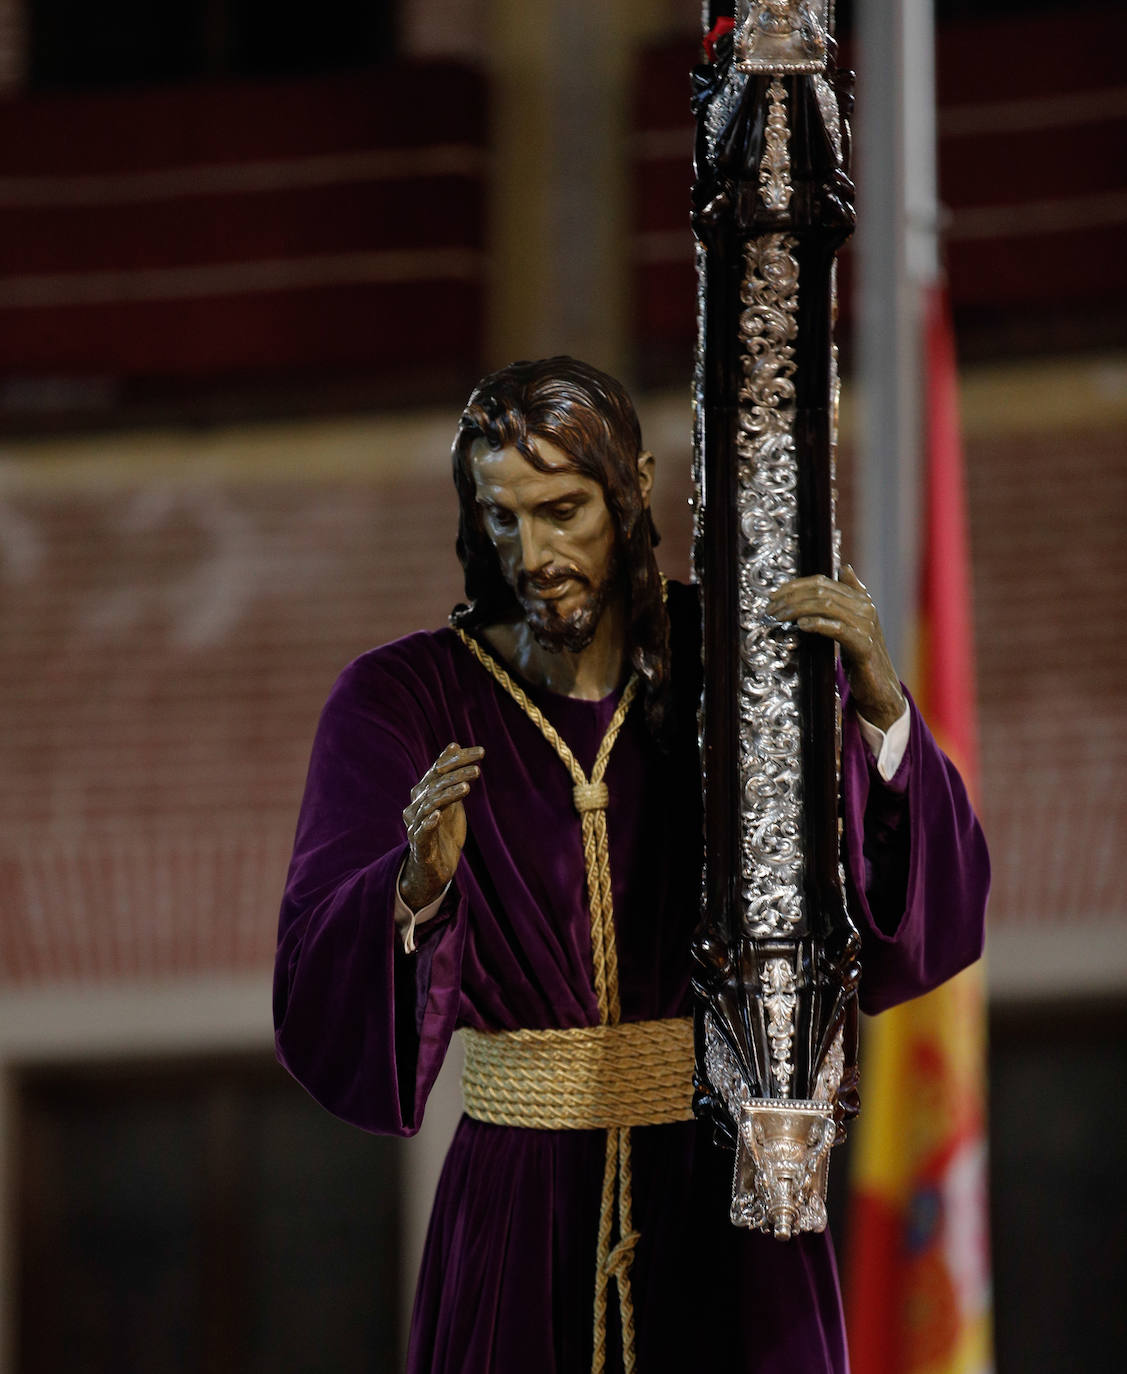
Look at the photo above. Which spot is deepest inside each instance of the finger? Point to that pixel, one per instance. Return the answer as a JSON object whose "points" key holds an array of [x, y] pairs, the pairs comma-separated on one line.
{"points": [[845, 604], [447, 762], [442, 756], [818, 585], [435, 786], [828, 626], [416, 833], [800, 584], [807, 587], [439, 799], [447, 754], [810, 593], [467, 773], [453, 756], [442, 796], [426, 822]]}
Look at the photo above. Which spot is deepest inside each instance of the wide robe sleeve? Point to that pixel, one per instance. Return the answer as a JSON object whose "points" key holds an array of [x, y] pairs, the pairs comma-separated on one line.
{"points": [[918, 837], [361, 1024]]}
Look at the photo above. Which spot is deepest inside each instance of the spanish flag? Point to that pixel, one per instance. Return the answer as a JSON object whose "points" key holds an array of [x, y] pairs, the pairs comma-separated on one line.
{"points": [[918, 1295]]}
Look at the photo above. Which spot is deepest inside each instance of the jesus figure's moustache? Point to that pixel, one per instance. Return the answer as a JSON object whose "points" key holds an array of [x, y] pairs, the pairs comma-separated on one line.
{"points": [[549, 581]]}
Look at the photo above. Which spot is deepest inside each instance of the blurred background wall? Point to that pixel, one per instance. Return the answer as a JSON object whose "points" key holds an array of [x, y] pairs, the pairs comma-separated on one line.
{"points": [[252, 258]]}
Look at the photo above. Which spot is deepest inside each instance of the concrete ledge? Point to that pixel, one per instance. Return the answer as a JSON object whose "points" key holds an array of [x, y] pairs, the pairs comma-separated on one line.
{"points": [[184, 1016], [1030, 962]]}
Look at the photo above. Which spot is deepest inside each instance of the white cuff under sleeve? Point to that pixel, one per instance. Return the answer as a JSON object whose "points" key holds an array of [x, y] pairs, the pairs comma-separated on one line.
{"points": [[406, 920], [888, 746]]}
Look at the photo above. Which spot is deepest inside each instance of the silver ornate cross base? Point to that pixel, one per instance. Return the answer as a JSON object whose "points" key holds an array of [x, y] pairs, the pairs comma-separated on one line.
{"points": [[782, 1143], [782, 1163]]}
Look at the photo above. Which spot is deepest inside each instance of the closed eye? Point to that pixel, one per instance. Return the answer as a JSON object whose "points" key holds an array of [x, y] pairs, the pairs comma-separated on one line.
{"points": [[499, 516], [564, 506]]}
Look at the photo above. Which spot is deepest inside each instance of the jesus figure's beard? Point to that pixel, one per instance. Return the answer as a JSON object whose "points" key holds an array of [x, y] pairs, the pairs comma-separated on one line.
{"points": [[574, 631]]}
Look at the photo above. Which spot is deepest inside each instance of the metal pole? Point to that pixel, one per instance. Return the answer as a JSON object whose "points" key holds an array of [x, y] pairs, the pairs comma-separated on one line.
{"points": [[897, 216]]}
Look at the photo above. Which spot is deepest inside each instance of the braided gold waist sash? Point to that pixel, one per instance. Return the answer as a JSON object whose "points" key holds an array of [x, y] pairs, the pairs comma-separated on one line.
{"points": [[634, 1073]]}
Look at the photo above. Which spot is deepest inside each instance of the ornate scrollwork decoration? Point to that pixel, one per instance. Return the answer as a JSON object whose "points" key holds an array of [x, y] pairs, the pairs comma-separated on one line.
{"points": [[830, 111], [775, 189], [831, 1070], [782, 1146], [723, 107], [779, 1001], [782, 35], [774, 958], [723, 1069], [770, 715], [781, 1163]]}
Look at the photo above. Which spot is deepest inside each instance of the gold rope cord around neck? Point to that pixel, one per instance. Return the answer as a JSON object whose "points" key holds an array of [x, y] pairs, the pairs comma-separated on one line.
{"points": [[591, 798]]}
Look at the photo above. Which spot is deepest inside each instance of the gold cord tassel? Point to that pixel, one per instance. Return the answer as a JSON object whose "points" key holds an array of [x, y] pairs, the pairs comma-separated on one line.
{"points": [[591, 798]]}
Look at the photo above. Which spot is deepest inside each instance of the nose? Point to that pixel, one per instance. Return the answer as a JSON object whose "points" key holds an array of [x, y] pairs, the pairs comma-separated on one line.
{"points": [[533, 553]]}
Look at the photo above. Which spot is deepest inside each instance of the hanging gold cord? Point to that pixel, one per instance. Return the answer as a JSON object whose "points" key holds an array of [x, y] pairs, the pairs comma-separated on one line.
{"points": [[590, 796]]}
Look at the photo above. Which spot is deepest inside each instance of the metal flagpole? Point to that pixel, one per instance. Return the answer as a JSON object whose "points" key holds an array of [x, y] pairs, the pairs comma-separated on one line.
{"points": [[898, 262]]}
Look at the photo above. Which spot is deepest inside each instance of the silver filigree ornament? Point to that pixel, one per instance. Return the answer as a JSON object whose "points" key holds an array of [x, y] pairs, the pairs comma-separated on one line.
{"points": [[770, 714], [831, 1070], [775, 189], [781, 35], [723, 1069], [781, 1166], [780, 999], [831, 114], [783, 1148], [723, 106]]}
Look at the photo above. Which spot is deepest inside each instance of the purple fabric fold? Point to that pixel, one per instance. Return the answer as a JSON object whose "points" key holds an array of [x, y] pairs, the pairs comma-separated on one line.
{"points": [[507, 1276], [926, 811]]}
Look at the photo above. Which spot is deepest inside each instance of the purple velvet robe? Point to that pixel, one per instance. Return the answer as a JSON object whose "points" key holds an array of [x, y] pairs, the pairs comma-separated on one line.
{"points": [[507, 1278]]}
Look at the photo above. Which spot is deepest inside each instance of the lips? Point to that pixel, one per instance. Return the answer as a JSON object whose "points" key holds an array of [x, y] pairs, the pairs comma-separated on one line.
{"points": [[553, 592], [552, 588]]}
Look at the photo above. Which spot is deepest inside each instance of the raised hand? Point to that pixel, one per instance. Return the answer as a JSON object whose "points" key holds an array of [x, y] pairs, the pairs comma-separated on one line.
{"points": [[844, 611], [436, 824]]}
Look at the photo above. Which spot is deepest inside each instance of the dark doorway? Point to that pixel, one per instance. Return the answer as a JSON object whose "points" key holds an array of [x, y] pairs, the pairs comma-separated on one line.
{"points": [[1058, 1153], [203, 1217]]}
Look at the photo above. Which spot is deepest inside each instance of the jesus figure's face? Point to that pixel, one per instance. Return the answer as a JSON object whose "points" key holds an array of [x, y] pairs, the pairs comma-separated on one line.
{"points": [[555, 540]]}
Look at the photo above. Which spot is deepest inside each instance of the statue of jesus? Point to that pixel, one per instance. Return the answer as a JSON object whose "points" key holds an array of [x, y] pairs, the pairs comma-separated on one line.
{"points": [[501, 833]]}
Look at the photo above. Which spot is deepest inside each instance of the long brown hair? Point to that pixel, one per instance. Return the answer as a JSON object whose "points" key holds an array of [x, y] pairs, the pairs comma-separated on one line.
{"points": [[590, 417]]}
